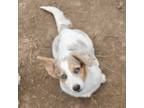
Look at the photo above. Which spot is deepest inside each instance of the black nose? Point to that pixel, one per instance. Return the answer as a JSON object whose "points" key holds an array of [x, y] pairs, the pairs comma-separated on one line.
{"points": [[76, 88]]}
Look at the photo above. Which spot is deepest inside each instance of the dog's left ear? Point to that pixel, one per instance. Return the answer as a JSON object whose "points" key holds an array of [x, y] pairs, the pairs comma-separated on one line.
{"points": [[50, 66]]}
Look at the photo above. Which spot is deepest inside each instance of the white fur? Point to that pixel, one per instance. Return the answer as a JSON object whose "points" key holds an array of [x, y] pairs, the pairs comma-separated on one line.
{"points": [[69, 37]]}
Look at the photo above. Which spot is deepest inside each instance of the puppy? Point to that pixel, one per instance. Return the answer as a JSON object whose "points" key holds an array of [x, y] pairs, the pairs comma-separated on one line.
{"points": [[74, 63]]}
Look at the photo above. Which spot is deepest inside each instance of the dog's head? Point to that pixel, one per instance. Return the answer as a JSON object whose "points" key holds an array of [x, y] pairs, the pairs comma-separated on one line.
{"points": [[71, 71]]}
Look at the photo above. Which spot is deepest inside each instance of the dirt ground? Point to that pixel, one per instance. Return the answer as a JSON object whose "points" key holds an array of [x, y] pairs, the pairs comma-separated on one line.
{"points": [[102, 20]]}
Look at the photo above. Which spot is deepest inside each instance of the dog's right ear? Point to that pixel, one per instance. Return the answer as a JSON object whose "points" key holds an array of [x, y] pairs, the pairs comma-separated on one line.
{"points": [[50, 66], [83, 58], [86, 58]]}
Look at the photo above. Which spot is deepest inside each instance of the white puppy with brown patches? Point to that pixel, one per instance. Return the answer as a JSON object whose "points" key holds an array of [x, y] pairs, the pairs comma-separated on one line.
{"points": [[74, 63]]}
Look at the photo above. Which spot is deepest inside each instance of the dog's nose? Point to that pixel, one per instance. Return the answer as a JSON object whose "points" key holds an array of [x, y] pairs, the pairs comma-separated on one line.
{"points": [[76, 88]]}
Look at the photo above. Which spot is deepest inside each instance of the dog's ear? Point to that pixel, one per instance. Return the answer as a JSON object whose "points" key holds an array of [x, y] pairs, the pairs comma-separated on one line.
{"points": [[50, 66], [83, 58], [86, 58]]}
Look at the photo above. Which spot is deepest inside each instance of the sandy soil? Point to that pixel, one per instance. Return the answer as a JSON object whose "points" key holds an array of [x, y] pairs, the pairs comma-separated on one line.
{"points": [[102, 20]]}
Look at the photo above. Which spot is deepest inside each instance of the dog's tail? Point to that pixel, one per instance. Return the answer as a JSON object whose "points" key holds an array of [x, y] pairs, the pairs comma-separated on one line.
{"points": [[61, 20]]}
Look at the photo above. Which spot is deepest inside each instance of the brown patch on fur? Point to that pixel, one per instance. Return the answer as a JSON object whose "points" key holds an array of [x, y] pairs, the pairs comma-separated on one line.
{"points": [[83, 72], [75, 63]]}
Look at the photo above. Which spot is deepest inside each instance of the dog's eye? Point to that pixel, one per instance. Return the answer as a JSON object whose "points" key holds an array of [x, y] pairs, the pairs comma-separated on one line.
{"points": [[76, 70], [63, 76]]}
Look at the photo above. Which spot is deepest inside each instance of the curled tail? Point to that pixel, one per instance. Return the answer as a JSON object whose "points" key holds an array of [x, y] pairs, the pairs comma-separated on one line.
{"points": [[61, 20]]}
